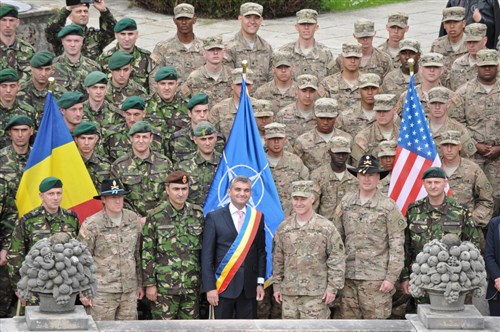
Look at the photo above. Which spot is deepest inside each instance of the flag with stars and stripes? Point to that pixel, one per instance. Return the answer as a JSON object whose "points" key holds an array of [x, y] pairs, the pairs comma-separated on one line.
{"points": [[416, 152]]}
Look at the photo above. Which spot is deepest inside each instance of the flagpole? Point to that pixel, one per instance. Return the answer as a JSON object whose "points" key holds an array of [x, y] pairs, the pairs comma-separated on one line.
{"points": [[51, 84], [411, 63]]}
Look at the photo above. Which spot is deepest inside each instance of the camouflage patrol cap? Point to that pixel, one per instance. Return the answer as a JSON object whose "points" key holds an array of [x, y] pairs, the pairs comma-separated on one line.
{"points": [[262, 108], [85, 128], [434, 172], [197, 99], [384, 102], [438, 94], [275, 130], [280, 58], [49, 183], [42, 59], [307, 16], [213, 42], [364, 28], [302, 188], [8, 75], [237, 78], [475, 32], [178, 177], [351, 50], [398, 19], [125, 24], [326, 108], [340, 144], [94, 78], [432, 60], [307, 81], [133, 102], [69, 99], [119, 59], [166, 73], [71, 29], [183, 10], [487, 57], [453, 14], [19, 120], [451, 137], [140, 127], [369, 79], [409, 44], [204, 128], [8, 11], [387, 148], [251, 8]]}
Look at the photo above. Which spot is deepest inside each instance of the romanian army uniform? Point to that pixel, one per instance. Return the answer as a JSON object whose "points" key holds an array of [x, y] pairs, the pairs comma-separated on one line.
{"points": [[19, 107], [98, 168], [71, 75], [167, 117], [117, 96], [12, 166], [269, 91], [334, 86], [36, 98], [315, 63], [106, 116], [181, 145], [17, 56]]}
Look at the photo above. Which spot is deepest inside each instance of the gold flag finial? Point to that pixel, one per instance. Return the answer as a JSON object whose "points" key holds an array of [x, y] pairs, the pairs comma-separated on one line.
{"points": [[411, 63], [52, 81]]}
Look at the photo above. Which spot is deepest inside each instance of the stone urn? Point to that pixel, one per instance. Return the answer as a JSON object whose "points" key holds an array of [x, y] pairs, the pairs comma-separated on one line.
{"points": [[57, 269]]}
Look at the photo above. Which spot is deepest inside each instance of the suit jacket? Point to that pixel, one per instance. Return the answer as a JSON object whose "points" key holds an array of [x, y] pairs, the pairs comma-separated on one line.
{"points": [[492, 256], [218, 235]]}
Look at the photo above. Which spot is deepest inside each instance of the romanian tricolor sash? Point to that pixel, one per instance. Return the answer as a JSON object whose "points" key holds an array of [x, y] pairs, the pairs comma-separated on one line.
{"points": [[238, 250]]}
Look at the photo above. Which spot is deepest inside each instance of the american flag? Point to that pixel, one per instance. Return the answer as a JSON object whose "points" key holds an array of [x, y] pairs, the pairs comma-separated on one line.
{"points": [[416, 152]]}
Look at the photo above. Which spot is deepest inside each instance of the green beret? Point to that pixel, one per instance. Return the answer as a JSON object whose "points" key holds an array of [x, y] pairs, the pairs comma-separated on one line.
{"points": [[8, 10], [197, 99], [134, 102], [166, 73], [119, 59], [41, 59], [19, 120], [125, 24], [204, 128], [71, 29], [49, 183], [434, 172], [95, 77], [69, 99], [8, 75], [140, 127], [85, 128]]}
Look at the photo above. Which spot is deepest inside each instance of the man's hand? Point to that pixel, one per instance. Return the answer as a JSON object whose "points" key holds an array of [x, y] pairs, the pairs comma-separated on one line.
{"points": [[328, 297], [493, 152], [386, 286], [143, 221], [152, 293], [260, 293], [213, 297], [483, 149], [140, 293], [405, 286], [100, 5], [476, 16], [23, 301], [3, 257], [87, 302], [497, 284], [278, 297]]}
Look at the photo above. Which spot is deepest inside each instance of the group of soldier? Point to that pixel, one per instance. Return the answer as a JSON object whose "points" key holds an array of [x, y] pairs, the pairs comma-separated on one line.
{"points": [[151, 127]]}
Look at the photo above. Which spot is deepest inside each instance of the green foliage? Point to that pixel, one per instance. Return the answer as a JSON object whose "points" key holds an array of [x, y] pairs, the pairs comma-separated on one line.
{"points": [[340, 5]]}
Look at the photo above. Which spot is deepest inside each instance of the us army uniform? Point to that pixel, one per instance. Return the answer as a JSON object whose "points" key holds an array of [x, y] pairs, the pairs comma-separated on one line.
{"points": [[308, 260], [400, 20], [386, 149], [171, 258]]}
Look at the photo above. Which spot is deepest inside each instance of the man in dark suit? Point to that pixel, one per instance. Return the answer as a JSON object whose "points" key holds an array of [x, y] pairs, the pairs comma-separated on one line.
{"points": [[492, 260], [234, 297]]}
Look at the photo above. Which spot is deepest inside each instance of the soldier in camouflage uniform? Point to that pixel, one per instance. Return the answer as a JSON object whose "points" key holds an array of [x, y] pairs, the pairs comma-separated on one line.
{"points": [[126, 34], [299, 115], [113, 237], [71, 67], [463, 69], [166, 108], [397, 26], [248, 45], [386, 155], [263, 115], [15, 53], [71, 106], [281, 90], [121, 86], [306, 277], [86, 137], [308, 55], [171, 249], [343, 86], [78, 13], [383, 129], [213, 78], [40, 223], [184, 51], [142, 170], [432, 217], [202, 163], [312, 146], [452, 45], [332, 181], [370, 222], [396, 82], [10, 103]]}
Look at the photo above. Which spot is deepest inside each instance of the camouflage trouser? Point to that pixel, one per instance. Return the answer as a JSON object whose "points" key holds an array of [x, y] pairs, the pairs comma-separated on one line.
{"points": [[304, 307], [183, 306], [8, 299], [399, 302], [363, 300], [114, 306], [268, 308], [491, 168]]}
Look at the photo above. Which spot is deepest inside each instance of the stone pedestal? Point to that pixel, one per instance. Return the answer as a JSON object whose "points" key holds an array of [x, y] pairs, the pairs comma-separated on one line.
{"points": [[40, 321], [468, 319]]}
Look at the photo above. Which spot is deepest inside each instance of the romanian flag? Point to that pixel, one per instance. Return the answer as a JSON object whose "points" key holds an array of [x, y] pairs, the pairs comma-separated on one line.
{"points": [[54, 153]]}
